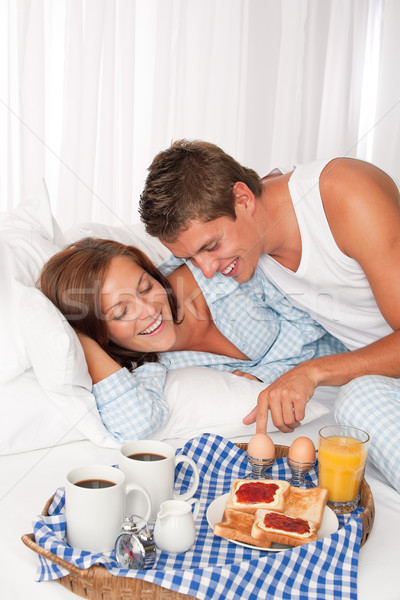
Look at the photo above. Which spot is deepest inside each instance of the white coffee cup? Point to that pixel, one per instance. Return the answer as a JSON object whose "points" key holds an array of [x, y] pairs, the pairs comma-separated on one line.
{"points": [[94, 515], [156, 476]]}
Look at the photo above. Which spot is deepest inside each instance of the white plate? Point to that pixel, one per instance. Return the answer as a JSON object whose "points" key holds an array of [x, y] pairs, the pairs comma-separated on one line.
{"points": [[215, 512]]}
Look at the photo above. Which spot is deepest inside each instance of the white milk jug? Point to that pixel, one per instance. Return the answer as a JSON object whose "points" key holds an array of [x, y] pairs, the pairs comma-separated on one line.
{"points": [[175, 529]]}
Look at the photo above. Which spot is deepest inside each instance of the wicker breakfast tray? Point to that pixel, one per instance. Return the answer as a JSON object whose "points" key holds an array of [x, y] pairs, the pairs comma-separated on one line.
{"points": [[96, 583]]}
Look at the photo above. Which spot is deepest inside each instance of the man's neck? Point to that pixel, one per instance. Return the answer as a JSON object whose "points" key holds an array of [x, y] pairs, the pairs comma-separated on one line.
{"points": [[279, 221]]}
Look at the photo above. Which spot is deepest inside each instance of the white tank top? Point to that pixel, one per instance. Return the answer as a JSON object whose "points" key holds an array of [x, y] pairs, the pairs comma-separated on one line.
{"points": [[328, 284]]}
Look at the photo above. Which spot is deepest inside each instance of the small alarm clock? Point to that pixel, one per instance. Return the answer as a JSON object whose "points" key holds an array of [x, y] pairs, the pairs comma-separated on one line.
{"points": [[135, 547]]}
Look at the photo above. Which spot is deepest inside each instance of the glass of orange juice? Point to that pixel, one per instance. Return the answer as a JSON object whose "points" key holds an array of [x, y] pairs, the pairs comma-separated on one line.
{"points": [[342, 453]]}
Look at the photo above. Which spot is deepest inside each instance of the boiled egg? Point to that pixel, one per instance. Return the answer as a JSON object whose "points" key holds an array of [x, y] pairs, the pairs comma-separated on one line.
{"points": [[261, 446], [302, 450]]}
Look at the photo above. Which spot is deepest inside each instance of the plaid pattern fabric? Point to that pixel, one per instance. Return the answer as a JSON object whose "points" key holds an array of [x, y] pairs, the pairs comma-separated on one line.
{"points": [[257, 319], [132, 405], [372, 403], [254, 316], [217, 568]]}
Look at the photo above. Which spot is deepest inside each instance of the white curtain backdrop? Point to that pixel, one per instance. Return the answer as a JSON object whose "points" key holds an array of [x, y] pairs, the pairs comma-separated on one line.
{"points": [[91, 90]]}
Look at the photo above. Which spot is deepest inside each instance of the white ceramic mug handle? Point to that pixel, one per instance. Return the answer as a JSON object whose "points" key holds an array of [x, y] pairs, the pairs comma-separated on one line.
{"points": [[196, 507], [191, 492], [132, 487]]}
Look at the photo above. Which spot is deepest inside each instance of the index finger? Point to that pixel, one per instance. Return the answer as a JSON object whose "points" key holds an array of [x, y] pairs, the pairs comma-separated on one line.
{"points": [[262, 414]]}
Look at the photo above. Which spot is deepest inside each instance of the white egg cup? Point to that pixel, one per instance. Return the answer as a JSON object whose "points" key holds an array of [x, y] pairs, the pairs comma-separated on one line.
{"points": [[299, 470], [259, 467]]}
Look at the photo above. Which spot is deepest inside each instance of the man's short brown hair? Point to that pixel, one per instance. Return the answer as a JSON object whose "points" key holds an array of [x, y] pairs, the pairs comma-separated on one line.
{"points": [[191, 180]]}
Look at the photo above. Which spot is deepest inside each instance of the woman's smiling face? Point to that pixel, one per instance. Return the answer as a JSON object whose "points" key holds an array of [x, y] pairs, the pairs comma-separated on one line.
{"points": [[136, 308]]}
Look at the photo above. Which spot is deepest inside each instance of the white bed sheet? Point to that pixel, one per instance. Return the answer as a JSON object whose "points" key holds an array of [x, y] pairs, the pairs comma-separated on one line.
{"points": [[28, 479]]}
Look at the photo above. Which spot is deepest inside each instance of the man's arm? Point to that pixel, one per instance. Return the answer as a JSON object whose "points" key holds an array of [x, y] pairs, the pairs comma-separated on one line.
{"points": [[362, 207], [287, 397]]}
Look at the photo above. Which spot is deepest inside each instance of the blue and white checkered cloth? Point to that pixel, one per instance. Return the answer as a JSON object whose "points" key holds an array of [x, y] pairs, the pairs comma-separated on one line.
{"points": [[217, 568]]}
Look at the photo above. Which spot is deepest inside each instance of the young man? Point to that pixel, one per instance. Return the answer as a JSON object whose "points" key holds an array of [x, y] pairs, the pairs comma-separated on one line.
{"points": [[327, 234]]}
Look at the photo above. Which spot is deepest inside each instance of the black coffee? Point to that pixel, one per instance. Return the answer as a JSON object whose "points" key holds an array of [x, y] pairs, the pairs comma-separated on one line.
{"points": [[94, 484], [147, 457]]}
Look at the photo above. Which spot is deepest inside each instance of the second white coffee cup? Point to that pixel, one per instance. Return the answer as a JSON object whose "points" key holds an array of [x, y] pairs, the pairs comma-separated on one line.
{"points": [[151, 464]]}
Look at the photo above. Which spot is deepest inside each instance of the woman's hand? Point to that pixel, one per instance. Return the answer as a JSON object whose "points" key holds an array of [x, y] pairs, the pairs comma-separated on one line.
{"points": [[247, 375]]}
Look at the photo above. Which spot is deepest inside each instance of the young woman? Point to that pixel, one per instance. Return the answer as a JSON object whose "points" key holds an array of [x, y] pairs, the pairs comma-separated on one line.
{"points": [[136, 322]]}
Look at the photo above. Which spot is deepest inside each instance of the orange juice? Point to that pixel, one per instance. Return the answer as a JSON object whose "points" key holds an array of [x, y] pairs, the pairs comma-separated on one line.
{"points": [[341, 463]]}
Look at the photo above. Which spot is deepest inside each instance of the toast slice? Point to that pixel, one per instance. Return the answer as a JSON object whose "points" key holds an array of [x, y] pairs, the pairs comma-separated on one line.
{"points": [[299, 522], [250, 495], [306, 504], [271, 526], [237, 526]]}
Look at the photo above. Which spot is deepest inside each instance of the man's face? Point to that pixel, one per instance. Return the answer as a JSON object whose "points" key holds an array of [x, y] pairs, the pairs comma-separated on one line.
{"points": [[221, 246]]}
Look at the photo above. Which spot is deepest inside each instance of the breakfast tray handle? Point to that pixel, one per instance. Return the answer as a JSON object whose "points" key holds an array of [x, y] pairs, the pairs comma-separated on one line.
{"points": [[29, 540]]}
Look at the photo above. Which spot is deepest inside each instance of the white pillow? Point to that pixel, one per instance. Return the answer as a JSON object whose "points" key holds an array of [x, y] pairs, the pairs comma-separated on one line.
{"points": [[203, 400], [28, 420], [34, 334], [29, 235], [134, 234], [200, 401], [58, 361]]}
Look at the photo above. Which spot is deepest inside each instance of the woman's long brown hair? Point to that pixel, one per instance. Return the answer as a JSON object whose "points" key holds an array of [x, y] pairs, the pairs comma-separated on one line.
{"points": [[73, 278]]}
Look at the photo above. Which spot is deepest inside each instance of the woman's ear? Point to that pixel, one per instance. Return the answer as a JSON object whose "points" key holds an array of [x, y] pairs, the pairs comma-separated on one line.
{"points": [[244, 198]]}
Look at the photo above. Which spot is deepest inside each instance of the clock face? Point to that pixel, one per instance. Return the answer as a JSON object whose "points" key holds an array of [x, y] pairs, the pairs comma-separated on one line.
{"points": [[129, 551]]}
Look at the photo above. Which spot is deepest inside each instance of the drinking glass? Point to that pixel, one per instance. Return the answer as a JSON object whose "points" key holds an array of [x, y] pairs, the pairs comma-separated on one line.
{"points": [[342, 454]]}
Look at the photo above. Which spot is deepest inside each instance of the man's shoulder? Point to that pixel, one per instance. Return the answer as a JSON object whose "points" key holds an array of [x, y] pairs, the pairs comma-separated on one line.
{"points": [[360, 200], [354, 176]]}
